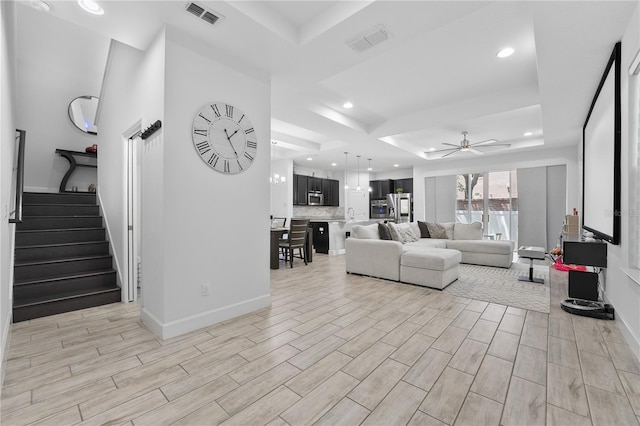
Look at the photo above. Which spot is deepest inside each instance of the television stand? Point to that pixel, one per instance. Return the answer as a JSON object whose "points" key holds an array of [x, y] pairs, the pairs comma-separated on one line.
{"points": [[588, 308]]}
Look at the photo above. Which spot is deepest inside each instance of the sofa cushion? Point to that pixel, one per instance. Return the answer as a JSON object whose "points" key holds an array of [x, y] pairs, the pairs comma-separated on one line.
{"points": [[437, 230], [424, 231], [483, 246], [433, 258], [366, 232], [467, 231], [425, 242], [383, 230]]}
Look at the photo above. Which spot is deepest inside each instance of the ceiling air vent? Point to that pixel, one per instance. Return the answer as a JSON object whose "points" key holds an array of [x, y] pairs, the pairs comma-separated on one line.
{"points": [[368, 39], [202, 13]]}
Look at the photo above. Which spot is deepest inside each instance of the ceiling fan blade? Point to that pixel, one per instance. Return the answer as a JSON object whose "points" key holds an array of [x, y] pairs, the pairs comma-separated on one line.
{"points": [[475, 151], [450, 144], [499, 144], [446, 155], [485, 142]]}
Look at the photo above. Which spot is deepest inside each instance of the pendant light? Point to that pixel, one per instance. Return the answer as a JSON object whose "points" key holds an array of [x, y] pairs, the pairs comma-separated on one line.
{"points": [[358, 171], [346, 175], [369, 169]]}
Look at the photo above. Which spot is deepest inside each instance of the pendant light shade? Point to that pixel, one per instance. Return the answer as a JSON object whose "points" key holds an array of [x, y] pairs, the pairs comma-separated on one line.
{"points": [[369, 169], [358, 171], [346, 175]]}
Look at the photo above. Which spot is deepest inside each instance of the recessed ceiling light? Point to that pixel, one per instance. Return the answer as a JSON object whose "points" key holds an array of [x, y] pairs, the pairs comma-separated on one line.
{"points": [[309, 158], [347, 105], [506, 52], [333, 164], [432, 149], [40, 6], [396, 165], [528, 134], [91, 6]]}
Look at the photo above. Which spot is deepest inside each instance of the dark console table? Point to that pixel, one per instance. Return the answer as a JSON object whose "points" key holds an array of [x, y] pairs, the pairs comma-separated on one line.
{"points": [[70, 156]]}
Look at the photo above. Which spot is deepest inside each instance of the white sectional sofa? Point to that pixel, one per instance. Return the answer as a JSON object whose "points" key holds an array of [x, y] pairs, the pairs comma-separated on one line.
{"points": [[431, 262]]}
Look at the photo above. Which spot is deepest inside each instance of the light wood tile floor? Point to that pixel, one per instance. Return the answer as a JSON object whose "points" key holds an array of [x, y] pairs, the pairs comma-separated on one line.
{"points": [[332, 349]]}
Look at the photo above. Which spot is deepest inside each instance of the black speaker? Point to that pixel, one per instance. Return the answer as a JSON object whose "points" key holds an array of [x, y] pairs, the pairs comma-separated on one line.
{"points": [[583, 285]]}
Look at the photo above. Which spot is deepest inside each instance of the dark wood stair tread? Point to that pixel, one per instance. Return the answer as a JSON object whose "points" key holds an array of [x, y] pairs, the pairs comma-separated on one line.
{"points": [[61, 260], [62, 244], [33, 301], [31, 231], [66, 277]]}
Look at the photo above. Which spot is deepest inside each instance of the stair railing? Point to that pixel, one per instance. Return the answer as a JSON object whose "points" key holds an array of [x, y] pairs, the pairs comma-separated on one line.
{"points": [[18, 171]]}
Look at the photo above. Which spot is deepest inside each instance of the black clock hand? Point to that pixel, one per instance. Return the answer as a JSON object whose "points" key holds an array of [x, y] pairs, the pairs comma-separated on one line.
{"points": [[234, 133], [229, 139]]}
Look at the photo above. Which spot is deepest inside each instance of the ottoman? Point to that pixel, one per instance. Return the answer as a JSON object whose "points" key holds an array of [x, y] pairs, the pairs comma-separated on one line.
{"points": [[430, 267], [531, 253]]}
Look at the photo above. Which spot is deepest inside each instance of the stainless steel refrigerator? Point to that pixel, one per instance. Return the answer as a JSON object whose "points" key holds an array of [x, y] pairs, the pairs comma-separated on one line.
{"points": [[400, 208]]}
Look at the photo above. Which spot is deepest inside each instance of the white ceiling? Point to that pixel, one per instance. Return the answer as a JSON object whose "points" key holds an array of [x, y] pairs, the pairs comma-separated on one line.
{"points": [[436, 76]]}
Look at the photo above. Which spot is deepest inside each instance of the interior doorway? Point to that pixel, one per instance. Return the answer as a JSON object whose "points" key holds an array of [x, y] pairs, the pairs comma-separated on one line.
{"points": [[132, 205]]}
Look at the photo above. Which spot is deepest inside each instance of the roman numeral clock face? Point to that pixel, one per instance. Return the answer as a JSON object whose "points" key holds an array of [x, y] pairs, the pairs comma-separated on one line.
{"points": [[224, 138]]}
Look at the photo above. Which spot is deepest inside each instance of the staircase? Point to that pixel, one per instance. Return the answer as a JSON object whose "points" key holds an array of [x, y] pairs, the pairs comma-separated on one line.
{"points": [[62, 260]]}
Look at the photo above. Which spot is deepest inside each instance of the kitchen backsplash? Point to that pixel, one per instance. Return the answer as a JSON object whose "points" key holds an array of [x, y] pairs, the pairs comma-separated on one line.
{"points": [[318, 211]]}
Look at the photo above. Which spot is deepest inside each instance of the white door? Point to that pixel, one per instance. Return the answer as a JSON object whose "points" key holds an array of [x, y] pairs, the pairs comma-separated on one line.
{"points": [[133, 216]]}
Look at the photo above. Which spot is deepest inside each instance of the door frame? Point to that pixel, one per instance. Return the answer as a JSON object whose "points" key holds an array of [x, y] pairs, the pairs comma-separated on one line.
{"points": [[131, 204]]}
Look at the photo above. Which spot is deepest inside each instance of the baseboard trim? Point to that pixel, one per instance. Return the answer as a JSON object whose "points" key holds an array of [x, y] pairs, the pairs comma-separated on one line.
{"points": [[203, 319], [4, 349], [112, 249], [632, 341]]}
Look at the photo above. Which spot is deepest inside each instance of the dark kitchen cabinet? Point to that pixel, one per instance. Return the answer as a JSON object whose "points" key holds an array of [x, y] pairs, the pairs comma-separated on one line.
{"points": [[329, 188], [331, 192], [314, 184], [335, 193], [300, 190], [405, 184], [380, 188]]}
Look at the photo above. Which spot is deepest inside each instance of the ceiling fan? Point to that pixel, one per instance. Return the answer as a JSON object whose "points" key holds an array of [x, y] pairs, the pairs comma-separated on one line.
{"points": [[466, 146]]}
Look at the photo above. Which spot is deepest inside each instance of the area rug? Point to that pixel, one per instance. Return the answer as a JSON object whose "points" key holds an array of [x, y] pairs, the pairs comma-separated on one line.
{"points": [[500, 285]]}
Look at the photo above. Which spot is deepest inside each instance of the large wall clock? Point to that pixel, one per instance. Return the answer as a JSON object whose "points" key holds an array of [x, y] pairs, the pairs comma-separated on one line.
{"points": [[224, 138]]}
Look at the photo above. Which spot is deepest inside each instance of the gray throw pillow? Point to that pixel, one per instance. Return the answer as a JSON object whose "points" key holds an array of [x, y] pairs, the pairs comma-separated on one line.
{"points": [[424, 231], [384, 232], [437, 231]]}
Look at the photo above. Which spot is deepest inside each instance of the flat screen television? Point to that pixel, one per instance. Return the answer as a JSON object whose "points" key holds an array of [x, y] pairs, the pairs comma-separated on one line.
{"points": [[601, 156], [587, 254]]}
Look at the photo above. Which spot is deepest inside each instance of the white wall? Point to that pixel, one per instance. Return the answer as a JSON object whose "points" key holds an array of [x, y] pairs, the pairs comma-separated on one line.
{"points": [[507, 161], [7, 151], [214, 227], [74, 60], [120, 109], [619, 290]]}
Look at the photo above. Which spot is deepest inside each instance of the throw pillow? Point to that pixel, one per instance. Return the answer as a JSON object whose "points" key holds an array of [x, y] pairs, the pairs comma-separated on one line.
{"points": [[424, 231], [368, 232], [437, 231], [407, 234], [384, 232], [395, 233]]}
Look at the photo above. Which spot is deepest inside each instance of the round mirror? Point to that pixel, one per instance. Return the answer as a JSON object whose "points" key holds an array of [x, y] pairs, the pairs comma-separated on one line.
{"points": [[82, 112]]}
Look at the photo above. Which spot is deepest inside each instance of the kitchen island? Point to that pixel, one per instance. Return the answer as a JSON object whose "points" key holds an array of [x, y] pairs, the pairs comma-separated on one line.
{"points": [[337, 230]]}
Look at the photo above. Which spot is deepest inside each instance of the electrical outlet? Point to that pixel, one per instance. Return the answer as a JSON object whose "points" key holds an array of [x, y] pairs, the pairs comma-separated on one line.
{"points": [[206, 289]]}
